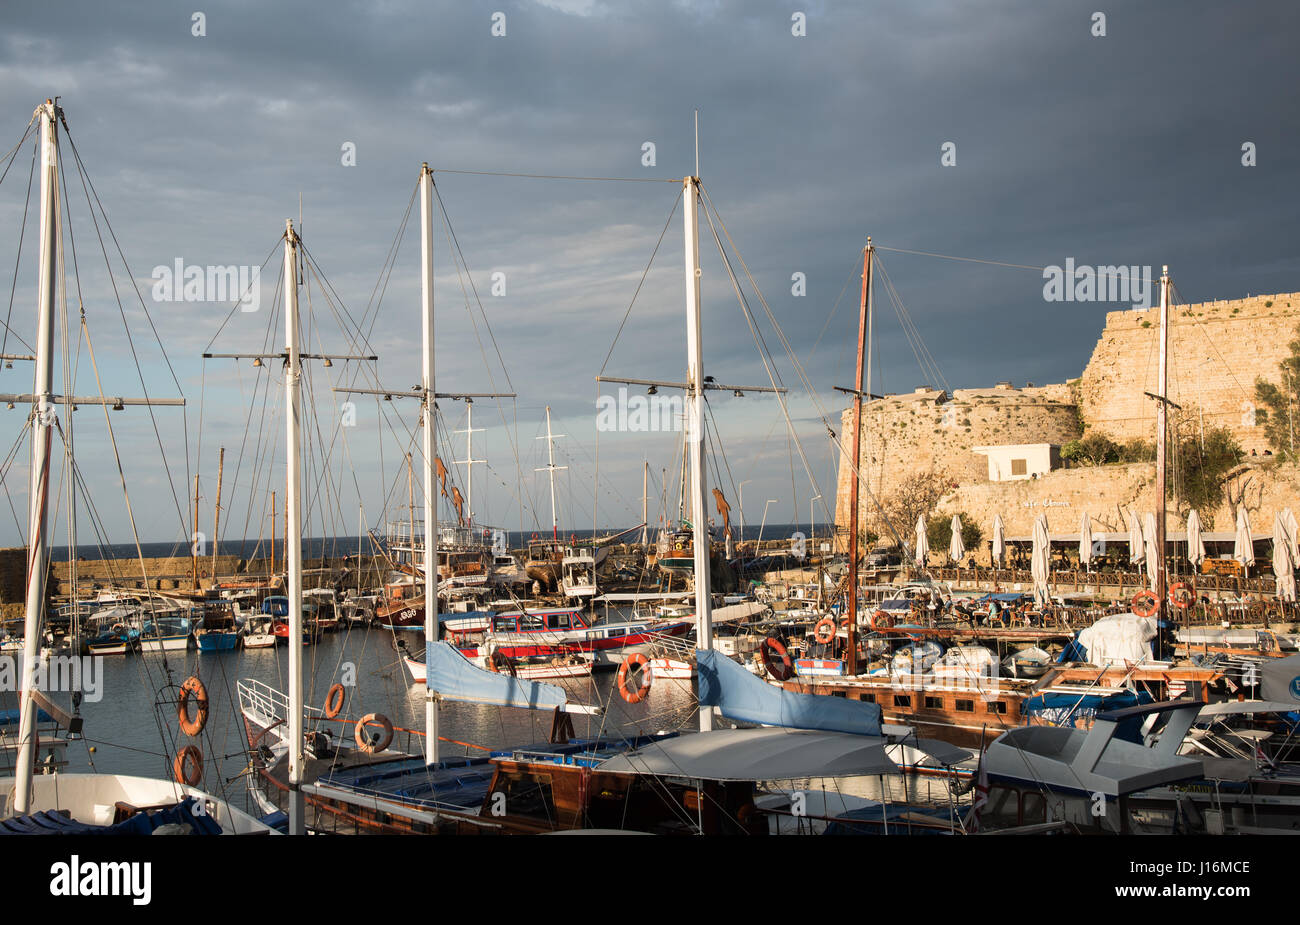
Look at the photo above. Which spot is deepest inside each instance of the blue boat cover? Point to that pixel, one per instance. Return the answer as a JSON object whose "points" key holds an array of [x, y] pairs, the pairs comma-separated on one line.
{"points": [[1002, 597], [742, 696], [54, 823], [12, 717], [897, 603], [453, 677]]}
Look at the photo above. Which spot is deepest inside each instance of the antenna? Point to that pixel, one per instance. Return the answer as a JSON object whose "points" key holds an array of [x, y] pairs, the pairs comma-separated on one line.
{"points": [[697, 142]]}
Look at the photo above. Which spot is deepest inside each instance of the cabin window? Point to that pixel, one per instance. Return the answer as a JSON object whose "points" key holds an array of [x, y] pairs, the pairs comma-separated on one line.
{"points": [[997, 706], [934, 703], [843, 694], [902, 700], [965, 706], [557, 621], [504, 626], [869, 698], [1018, 467]]}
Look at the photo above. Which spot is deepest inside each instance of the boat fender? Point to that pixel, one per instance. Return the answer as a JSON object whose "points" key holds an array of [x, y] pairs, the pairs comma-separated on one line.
{"points": [[192, 687], [624, 670], [1145, 603], [334, 701], [776, 659], [188, 766], [824, 631], [1181, 595], [371, 745]]}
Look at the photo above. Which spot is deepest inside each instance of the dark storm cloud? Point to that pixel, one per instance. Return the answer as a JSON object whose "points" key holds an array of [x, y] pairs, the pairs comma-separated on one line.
{"points": [[1119, 149]]}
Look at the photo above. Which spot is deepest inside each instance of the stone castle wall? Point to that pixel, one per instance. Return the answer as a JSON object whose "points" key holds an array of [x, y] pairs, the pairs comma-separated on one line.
{"points": [[928, 430], [1216, 352]]}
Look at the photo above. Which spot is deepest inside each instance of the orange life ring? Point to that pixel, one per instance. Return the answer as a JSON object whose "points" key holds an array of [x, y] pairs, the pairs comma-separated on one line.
{"points": [[192, 687], [880, 620], [188, 766], [776, 659], [1145, 603], [334, 701], [363, 740], [1181, 595], [636, 659], [536, 538], [824, 631], [573, 539]]}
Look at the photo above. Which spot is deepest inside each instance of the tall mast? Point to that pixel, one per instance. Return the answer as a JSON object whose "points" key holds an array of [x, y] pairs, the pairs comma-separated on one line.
{"points": [[695, 426], [427, 438], [271, 574], [194, 548], [551, 467], [216, 512], [645, 504], [855, 460], [43, 419], [469, 461], [1162, 429], [293, 527]]}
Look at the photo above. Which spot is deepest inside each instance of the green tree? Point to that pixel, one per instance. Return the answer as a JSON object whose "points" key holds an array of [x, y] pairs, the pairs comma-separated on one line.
{"points": [[1096, 449], [1201, 467], [1281, 403]]}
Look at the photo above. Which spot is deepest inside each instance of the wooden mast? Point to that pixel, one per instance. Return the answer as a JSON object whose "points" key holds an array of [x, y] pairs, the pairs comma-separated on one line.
{"points": [[194, 549], [216, 513], [271, 574], [851, 660]]}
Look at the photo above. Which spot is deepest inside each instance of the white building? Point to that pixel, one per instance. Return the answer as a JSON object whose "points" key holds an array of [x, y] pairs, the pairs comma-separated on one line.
{"points": [[1020, 460]]}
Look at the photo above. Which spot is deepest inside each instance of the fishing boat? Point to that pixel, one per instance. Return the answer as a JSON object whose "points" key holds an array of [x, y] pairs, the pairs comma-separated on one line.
{"points": [[259, 633], [216, 630], [563, 630], [572, 665], [579, 566], [166, 634]]}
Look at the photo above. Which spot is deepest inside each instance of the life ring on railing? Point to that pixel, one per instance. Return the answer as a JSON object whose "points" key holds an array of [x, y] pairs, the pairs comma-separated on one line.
{"points": [[192, 687], [880, 620], [1145, 603], [573, 539], [824, 631], [776, 659], [1181, 595], [631, 663], [334, 701], [535, 538], [364, 742], [188, 766]]}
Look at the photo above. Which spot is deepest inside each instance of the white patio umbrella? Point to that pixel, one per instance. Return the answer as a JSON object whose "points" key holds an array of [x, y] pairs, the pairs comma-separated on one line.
{"points": [[1195, 545], [1243, 545], [1137, 553], [956, 549], [922, 542], [1293, 531], [1151, 553], [999, 542], [1283, 559], [1040, 559], [1085, 539]]}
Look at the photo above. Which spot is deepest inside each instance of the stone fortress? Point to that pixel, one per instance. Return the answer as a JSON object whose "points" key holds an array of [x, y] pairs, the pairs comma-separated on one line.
{"points": [[997, 449]]}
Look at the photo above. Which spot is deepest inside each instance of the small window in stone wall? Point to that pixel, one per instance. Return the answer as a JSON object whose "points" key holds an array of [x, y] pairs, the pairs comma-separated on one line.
{"points": [[1018, 467]]}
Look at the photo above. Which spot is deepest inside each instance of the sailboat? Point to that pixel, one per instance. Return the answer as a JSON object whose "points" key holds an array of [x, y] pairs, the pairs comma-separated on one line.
{"points": [[94, 803]]}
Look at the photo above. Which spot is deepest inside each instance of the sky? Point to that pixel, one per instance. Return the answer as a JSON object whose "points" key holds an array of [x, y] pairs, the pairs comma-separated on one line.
{"points": [[1019, 134]]}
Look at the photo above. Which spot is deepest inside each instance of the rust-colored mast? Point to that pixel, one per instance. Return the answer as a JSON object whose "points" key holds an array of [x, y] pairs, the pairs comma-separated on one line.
{"points": [[851, 662]]}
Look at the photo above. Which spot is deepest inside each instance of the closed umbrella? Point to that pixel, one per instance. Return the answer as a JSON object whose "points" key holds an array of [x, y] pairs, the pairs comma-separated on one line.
{"points": [[1283, 560], [1195, 545], [1293, 531], [1085, 539], [956, 549], [999, 542], [1136, 550], [1151, 553], [1243, 545], [922, 542], [1040, 559]]}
